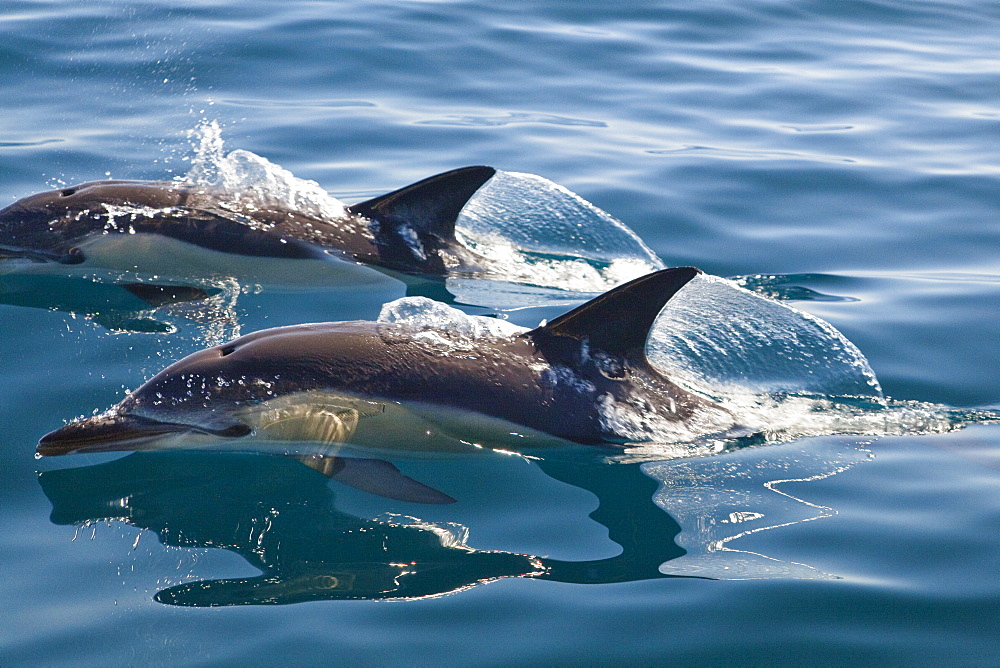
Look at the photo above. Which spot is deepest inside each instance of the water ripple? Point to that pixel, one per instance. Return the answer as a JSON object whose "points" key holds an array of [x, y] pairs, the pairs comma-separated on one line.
{"points": [[513, 118], [731, 153], [24, 144]]}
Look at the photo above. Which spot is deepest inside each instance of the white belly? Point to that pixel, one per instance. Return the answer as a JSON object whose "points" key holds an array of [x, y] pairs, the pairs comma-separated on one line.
{"points": [[152, 256]]}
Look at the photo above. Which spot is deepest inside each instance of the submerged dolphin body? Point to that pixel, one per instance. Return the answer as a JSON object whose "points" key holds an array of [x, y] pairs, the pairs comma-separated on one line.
{"points": [[583, 378], [411, 230]]}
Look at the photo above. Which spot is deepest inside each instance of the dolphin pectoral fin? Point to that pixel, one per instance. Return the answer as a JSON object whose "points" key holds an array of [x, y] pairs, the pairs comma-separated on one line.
{"points": [[412, 222], [116, 322], [112, 306], [374, 476], [162, 295]]}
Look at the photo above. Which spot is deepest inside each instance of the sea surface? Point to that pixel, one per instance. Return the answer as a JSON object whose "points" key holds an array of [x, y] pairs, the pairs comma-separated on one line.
{"points": [[841, 158]]}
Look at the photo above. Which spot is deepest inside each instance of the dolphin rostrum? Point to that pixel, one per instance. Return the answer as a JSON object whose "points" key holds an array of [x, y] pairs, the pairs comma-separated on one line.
{"points": [[411, 230], [582, 378]]}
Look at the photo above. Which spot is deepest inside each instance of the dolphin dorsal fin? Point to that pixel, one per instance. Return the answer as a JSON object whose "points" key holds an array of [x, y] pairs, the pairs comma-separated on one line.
{"points": [[616, 322], [430, 206]]}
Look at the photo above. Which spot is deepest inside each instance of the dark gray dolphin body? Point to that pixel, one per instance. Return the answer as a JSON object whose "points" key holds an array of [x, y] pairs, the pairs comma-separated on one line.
{"points": [[411, 230], [583, 377]]}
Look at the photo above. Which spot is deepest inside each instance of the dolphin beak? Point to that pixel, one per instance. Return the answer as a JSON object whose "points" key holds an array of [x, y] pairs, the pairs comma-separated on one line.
{"points": [[105, 433], [25, 254], [73, 256]]}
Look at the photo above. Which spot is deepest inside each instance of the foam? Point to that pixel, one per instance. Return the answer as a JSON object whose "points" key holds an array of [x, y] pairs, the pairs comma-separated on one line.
{"points": [[248, 180]]}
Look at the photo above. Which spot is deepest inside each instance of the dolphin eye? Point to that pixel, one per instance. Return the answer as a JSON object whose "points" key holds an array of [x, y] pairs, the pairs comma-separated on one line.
{"points": [[73, 256]]}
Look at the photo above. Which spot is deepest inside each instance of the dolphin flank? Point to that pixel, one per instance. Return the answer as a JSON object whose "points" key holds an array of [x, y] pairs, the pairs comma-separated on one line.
{"points": [[582, 378], [411, 230]]}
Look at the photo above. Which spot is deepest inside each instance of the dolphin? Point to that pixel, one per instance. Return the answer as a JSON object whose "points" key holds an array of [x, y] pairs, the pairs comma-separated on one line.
{"points": [[315, 389], [131, 225]]}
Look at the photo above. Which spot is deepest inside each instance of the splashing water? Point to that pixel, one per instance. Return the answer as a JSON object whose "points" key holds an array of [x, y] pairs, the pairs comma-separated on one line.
{"points": [[783, 373], [215, 318], [445, 327], [535, 232], [425, 314], [249, 180], [540, 216], [717, 334]]}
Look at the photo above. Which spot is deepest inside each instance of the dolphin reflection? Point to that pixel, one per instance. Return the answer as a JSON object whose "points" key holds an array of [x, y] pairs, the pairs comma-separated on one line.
{"points": [[689, 518], [282, 518]]}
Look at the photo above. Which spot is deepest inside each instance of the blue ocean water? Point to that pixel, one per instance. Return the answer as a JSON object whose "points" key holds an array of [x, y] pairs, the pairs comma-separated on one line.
{"points": [[841, 157]]}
